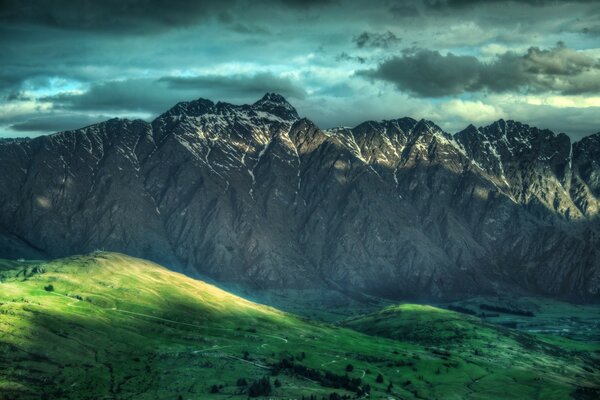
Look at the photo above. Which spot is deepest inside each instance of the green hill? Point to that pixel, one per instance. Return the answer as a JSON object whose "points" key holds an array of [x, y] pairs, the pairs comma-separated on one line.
{"points": [[506, 363], [108, 326]]}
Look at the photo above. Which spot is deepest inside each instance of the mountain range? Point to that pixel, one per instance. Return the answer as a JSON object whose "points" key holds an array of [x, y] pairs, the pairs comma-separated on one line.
{"points": [[256, 195]]}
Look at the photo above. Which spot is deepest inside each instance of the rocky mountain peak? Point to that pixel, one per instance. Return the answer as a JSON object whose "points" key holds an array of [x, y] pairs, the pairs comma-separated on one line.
{"points": [[591, 143], [514, 132], [271, 106], [424, 131], [586, 163], [192, 108], [470, 129], [426, 126], [273, 98], [513, 140], [276, 104]]}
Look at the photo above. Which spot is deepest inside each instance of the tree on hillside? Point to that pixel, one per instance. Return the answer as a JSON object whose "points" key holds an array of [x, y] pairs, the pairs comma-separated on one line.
{"points": [[261, 387]]}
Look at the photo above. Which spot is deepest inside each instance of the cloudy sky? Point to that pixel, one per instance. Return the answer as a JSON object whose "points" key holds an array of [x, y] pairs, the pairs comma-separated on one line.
{"points": [[67, 64]]}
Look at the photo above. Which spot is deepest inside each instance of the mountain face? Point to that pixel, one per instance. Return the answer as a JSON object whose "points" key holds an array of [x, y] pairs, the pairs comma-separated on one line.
{"points": [[254, 194]]}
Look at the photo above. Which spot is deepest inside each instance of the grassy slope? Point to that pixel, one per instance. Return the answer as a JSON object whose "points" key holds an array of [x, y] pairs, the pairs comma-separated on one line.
{"points": [[507, 363], [553, 319], [120, 327]]}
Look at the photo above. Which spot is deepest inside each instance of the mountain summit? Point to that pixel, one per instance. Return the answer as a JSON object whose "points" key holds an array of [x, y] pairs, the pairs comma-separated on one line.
{"points": [[256, 195], [276, 104]]}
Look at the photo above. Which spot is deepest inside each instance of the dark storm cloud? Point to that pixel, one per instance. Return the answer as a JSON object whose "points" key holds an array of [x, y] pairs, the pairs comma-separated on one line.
{"points": [[130, 16], [113, 16], [143, 95], [17, 96], [254, 85], [428, 73], [56, 123], [514, 9], [158, 95], [232, 23], [558, 61], [11, 78], [377, 40], [307, 3], [249, 29], [404, 9], [471, 3], [593, 31]]}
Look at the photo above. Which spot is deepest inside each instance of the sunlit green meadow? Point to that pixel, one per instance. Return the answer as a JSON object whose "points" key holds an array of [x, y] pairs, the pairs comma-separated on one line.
{"points": [[109, 326]]}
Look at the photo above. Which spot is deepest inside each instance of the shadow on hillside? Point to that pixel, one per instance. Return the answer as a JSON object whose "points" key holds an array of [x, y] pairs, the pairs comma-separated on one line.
{"points": [[87, 352]]}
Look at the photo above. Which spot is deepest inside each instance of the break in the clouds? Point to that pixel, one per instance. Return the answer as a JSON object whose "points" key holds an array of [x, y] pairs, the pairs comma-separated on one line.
{"points": [[68, 63]]}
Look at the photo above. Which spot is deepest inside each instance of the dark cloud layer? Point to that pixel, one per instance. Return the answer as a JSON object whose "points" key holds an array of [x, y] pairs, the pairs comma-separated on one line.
{"points": [[133, 16], [306, 3], [428, 73], [157, 95], [404, 9], [471, 3], [74, 60], [56, 123], [111, 16], [141, 95], [253, 85], [375, 39]]}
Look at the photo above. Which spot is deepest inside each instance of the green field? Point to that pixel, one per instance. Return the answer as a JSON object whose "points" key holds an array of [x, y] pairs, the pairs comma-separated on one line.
{"points": [[580, 322], [108, 326]]}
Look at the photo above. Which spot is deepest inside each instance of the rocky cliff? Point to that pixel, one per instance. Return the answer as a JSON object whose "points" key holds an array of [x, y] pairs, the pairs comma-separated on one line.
{"points": [[255, 194]]}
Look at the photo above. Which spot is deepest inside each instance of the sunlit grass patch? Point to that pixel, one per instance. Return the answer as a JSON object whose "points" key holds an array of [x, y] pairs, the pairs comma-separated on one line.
{"points": [[108, 325]]}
